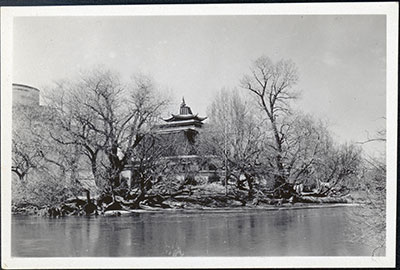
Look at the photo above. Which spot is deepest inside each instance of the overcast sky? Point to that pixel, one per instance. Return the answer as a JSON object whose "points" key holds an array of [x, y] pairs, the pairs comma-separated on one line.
{"points": [[341, 59]]}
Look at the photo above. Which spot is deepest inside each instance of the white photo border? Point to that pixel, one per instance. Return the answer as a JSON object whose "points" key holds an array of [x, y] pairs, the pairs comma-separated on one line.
{"points": [[390, 9]]}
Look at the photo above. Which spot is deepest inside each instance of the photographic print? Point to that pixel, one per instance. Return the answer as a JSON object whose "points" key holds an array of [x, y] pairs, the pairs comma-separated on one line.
{"points": [[192, 135]]}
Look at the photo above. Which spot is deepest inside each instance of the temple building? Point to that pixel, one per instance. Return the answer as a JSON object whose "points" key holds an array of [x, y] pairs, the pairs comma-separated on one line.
{"points": [[185, 121], [180, 132], [182, 128]]}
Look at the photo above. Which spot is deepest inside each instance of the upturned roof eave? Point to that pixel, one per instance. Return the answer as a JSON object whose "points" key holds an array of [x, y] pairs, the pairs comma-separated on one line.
{"points": [[179, 117]]}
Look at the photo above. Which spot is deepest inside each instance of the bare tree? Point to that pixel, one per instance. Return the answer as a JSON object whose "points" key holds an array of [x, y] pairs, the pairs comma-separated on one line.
{"points": [[379, 136], [272, 85], [106, 120], [371, 218], [45, 171], [26, 148], [234, 135], [307, 141], [26, 156]]}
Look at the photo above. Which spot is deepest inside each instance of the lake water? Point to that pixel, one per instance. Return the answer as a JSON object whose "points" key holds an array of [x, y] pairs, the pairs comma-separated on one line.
{"points": [[302, 232]]}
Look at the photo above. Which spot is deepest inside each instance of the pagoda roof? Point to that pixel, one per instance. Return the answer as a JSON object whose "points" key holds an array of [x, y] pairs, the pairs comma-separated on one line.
{"points": [[170, 130], [184, 117]]}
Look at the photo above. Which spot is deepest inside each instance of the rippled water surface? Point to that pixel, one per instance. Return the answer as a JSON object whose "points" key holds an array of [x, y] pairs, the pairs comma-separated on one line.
{"points": [[309, 232]]}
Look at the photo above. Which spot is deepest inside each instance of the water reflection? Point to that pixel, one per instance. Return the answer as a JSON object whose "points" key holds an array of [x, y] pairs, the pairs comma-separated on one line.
{"points": [[309, 232]]}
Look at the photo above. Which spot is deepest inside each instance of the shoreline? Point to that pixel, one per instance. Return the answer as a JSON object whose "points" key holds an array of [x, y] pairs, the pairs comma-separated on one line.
{"points": [[234, 209], [237, 209]]}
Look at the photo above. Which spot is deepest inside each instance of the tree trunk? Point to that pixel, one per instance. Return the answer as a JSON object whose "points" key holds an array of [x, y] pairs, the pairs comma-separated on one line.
{"points": [[87, 195], [280, 178]]}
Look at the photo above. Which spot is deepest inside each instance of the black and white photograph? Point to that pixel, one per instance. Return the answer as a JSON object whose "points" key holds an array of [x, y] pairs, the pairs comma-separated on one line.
{"points": [[258, 135]]}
